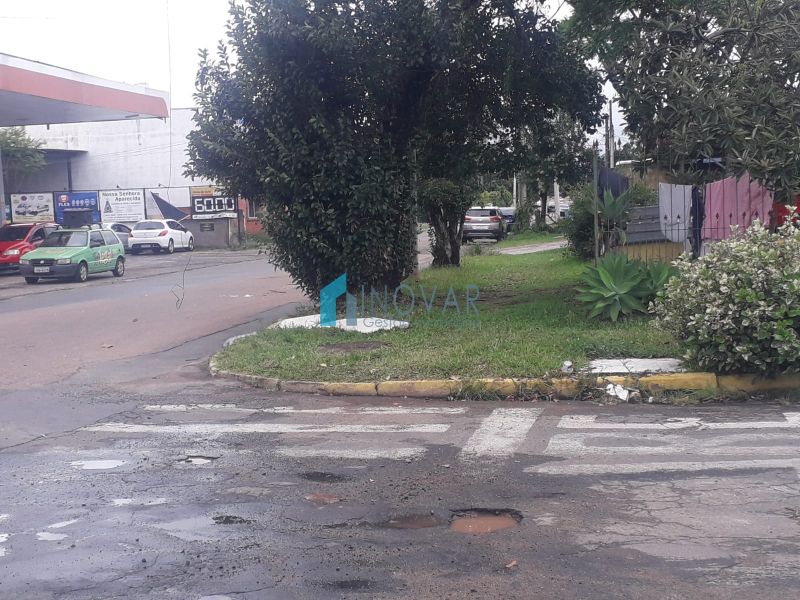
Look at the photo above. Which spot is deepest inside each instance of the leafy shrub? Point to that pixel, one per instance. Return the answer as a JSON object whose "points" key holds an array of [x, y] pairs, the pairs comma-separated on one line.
{"points": [[579, 226], [738, 308]]}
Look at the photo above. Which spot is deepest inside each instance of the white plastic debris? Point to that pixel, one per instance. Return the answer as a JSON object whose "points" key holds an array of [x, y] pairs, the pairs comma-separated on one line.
{"points": [[567, 367], [617, 391]]}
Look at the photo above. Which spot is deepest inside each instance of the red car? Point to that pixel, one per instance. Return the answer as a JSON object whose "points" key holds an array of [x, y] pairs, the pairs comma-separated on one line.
{"points": [[16, 240]]}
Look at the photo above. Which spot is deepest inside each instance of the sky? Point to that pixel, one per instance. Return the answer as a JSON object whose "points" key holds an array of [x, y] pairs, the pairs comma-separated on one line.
{"points": [[134, 42]]}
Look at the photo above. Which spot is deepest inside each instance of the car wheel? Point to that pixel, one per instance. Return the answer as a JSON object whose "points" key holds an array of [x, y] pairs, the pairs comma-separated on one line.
{"points": [[31, 280], [190, 247], [83, 273], [119, 270], [170, 247]]}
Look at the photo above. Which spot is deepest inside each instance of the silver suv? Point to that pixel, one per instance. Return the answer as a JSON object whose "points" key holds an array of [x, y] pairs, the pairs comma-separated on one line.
{"points": [[484, 223]]}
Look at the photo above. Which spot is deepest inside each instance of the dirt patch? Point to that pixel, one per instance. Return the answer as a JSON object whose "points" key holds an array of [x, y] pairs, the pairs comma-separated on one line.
{"points": [[347, 347]]}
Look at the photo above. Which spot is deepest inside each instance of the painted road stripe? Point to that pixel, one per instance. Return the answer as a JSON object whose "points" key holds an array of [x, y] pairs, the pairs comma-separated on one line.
{"points": [[579, 444], [590, 422], [623, 469], [355, 454], [500, 434], [219, 428], [333, 410]]}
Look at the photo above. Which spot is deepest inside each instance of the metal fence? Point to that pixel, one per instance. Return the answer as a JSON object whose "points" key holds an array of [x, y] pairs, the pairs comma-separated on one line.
{"points": [[686, 218]]}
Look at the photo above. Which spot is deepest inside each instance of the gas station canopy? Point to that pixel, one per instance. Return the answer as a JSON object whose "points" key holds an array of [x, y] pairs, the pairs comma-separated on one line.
{"points": [[34, 93]]}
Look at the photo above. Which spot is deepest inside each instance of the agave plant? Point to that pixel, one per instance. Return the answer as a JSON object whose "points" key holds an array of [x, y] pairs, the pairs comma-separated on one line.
{"points": [[614, 212], [616, 286], [656, 276]]}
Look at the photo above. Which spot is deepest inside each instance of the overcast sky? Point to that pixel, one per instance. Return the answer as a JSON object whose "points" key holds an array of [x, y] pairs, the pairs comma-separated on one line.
{"points": [[128, 41]]}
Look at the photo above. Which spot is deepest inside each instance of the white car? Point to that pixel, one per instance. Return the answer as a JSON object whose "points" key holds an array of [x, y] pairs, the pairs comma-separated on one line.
{"points": [[123, 232], [160, 236]]}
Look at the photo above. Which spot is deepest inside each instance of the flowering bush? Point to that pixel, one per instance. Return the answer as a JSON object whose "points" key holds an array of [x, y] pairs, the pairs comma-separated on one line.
{"points": [[738, 308]]}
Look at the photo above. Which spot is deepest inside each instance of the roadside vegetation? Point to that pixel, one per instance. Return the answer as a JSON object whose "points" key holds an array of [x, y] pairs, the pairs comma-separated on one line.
{"points": [[525, 238], [529, 324]]}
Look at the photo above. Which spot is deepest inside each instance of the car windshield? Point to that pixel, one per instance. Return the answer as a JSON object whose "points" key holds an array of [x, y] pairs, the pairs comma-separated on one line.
{"points": [[148, 225], [14, 233], [66, 239]]}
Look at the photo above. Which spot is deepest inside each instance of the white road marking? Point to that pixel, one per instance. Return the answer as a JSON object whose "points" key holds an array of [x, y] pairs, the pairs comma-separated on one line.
{"points": [[220, 428], [355, 454], [46, 536], [97, 464], [590, 422], [792, 422], [579, 444], [622, 469], [500, 434], [332, 410], [62, 524]]}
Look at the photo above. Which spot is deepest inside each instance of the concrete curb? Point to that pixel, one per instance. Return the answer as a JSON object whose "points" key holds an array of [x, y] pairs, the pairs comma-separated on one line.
{"points": [[562, 388]]}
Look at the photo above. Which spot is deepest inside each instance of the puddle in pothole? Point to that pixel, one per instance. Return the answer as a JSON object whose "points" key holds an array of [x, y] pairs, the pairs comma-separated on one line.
{"points": [[198, 460], [97, 464], [230, 520], [484, 520], [322, 477], [418, 521]]}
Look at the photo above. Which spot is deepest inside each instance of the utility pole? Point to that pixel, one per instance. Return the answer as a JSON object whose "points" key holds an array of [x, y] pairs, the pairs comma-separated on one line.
{"points": [[611, 146]]}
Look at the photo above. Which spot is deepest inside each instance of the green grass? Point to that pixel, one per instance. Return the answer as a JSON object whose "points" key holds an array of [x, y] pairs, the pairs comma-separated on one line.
{"points": [[528, 325], [528, 237]]}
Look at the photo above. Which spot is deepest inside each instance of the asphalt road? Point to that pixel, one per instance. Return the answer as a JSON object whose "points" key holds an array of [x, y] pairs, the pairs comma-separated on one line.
{"points": [[127, 472]]}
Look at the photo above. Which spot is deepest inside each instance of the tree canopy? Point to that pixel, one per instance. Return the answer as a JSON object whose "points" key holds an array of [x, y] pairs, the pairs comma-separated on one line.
{"points": [[21, 156], [325, 111], [705, 79]]}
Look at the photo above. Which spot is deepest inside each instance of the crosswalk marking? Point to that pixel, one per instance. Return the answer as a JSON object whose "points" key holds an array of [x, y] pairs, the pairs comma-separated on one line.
{"points": [[579, 444], [653, 467], [354, 453], [219, 428], [792, 421], [500, 434], [332, 410], [590, 422]]}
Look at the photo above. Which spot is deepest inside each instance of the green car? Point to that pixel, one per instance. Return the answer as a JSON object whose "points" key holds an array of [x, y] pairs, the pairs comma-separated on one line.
{"points": [[74, 254]]}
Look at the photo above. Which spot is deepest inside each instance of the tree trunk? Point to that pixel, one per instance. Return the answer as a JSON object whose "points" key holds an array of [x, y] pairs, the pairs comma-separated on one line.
{"points": [[446, 240]]}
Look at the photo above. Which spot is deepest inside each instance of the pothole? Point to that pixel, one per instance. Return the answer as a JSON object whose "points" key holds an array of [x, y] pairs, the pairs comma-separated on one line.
{"points": [[196, 459], [484, 520], [322, 477], [417, 521], [346, 347], [230, 520]]}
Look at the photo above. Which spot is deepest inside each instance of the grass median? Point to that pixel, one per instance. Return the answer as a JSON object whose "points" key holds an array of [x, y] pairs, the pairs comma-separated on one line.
{"points": [[527, 324]]}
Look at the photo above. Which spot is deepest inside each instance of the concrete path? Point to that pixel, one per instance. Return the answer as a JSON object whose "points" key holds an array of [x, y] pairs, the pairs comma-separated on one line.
{"points": [[533, 248]]}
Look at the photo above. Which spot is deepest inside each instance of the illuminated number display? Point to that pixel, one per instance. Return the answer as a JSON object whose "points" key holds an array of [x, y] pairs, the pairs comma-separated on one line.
{"points": [[212, 205]]}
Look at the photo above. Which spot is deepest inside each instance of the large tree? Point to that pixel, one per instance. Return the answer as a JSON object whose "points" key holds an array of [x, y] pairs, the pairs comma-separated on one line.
{"points": [[705, 79], [324, 110]]}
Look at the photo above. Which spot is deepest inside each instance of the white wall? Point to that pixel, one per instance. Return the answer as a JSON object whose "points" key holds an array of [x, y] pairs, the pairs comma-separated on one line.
{"points": [[147, 153]]}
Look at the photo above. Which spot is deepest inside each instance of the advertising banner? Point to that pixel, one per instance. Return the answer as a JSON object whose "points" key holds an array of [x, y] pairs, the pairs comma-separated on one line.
{"points": [[167, 203], [122, 206], [32, 208], [208, 204], [74, 202]]}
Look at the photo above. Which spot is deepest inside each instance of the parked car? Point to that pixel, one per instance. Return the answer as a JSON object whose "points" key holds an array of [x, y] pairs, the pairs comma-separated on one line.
{"points": [[18, 240], [484, 223], [160, 236], [510, 217], [74, 254], [123, 232]]}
